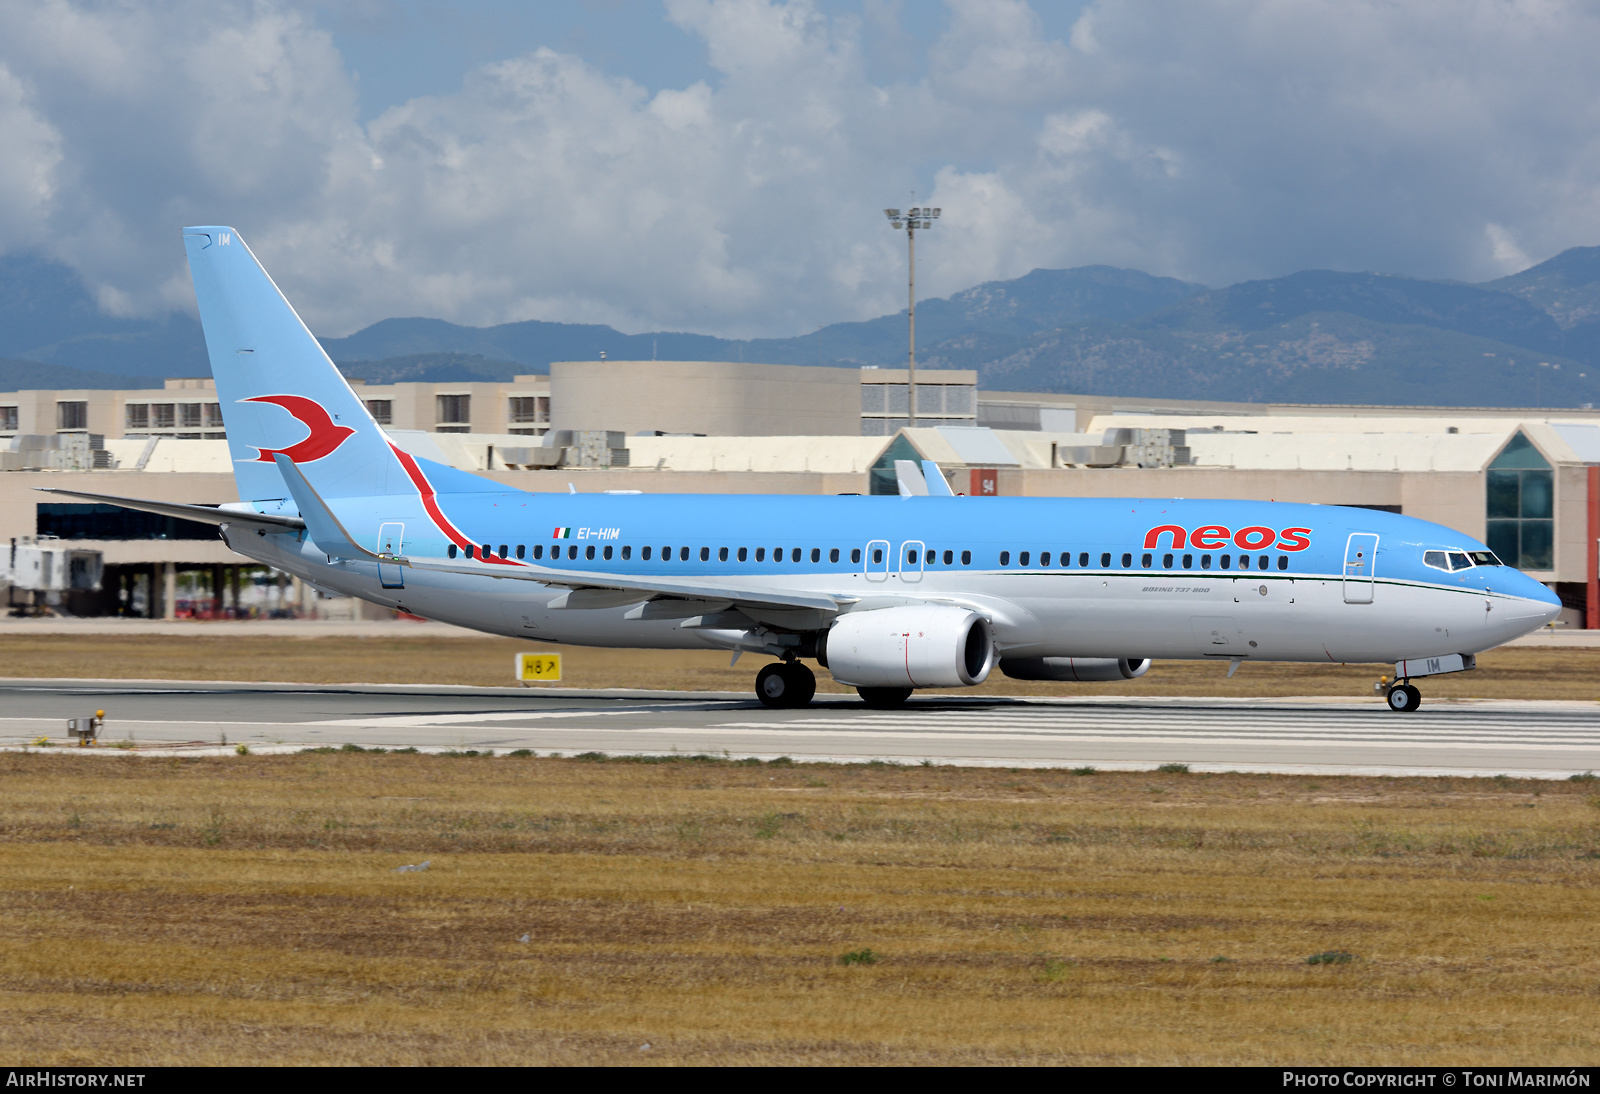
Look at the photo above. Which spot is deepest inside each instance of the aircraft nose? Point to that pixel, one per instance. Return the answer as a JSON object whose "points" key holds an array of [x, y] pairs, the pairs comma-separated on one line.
{"points": [[1535, 605]]}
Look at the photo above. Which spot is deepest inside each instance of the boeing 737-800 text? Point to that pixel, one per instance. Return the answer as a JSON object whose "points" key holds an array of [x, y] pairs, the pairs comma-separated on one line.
{"points": [[888, 594]]}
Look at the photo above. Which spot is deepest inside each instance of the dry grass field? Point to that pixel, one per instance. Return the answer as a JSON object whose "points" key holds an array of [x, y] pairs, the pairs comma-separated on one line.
{"points": [[1513, 673], [247, 910]]}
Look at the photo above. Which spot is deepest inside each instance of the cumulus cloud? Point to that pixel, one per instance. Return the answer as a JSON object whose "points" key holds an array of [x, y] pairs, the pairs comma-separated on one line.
{"points": [[1208, 139], [27, 168]]}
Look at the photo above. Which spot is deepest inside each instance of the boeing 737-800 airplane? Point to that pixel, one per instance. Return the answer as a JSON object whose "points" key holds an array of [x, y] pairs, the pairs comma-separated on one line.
{"points": [[888, 594]]}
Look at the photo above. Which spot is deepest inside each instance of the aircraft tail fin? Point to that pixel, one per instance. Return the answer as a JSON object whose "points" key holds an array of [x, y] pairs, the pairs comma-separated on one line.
{"points": [[279, 392]]}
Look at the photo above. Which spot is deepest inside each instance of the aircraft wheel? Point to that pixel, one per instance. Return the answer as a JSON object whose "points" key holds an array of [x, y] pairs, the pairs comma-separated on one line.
{"points": [[775, 686], [884, 698], [1404, 698], [802, 684]]}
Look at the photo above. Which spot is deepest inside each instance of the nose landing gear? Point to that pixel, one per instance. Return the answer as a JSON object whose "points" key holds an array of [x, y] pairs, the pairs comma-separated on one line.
{"points": [[785, 684], [1404, 698]]}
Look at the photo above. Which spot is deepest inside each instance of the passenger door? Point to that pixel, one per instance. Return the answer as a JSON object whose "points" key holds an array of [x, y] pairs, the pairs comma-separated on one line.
{"points": [[1360, 561], [912, 552], [877, 560], [391, 538]]}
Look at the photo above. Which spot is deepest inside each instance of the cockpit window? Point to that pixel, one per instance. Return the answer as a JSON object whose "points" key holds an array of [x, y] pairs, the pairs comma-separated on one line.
{"points": [[1459, 560]]}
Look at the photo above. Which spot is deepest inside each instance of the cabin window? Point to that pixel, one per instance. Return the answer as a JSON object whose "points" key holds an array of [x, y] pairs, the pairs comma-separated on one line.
{"points": [[1226, 561], [1166, 562], [761, 554], [744, 553], [1105, 560], [1022, 559], [1005, 558], [722, 554], [1127, 560], [855, 555], [1283, 562], [949, 557], [833, 555], [1521, 506], [488, 552], [777, 554], [966, 558], [816, 554], [572, 552], [1083, 558], [666, 554], [705, 554], [1205, 562], [1145, 560], [683, 554], [911, 557], [644, 553], [606, 554], [503, 553], [1188, 562], [522, 550], [794, 555], [1044, 558], [588, 552], [930, 556], [1263, 561], [627, 552], [877, 555], [1244, 562], [451, 550]]}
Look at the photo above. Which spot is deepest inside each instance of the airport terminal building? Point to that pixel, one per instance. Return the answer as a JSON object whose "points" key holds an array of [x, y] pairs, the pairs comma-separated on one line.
{"points": [[1525, 482]]}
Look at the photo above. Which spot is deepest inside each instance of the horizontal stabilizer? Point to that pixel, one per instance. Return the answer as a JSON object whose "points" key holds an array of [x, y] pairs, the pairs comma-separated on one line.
{"points": [[203, 514]]}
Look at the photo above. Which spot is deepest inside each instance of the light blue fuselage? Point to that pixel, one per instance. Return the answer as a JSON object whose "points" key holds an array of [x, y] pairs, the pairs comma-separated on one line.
{"points": [[1302, 607]]}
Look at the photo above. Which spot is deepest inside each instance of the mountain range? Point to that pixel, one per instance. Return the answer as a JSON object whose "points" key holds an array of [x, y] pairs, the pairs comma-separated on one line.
{"points": [[1318, 336]]}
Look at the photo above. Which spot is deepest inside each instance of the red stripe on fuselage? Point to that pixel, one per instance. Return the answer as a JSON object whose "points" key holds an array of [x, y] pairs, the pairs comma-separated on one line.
{"points": [[430, 502]]}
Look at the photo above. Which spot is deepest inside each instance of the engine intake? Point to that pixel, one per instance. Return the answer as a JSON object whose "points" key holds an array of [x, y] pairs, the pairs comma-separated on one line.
{"points": [[1080, 669], [919, 646]]}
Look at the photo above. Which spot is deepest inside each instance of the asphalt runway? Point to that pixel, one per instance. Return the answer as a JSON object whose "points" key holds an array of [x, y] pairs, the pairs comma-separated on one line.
{"points": [[1327, 736]]}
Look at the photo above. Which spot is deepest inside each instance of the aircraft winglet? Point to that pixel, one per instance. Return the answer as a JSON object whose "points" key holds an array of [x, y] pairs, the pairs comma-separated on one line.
{"points": [[938, 486], [323, 527]]}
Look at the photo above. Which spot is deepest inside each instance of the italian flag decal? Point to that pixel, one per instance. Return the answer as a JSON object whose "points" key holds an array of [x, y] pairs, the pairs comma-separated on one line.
{"points": [[561, 533]]}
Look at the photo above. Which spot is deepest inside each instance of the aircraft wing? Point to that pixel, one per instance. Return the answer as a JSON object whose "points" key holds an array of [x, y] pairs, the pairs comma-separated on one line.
{"points": [[204, 514], [704, 589]]}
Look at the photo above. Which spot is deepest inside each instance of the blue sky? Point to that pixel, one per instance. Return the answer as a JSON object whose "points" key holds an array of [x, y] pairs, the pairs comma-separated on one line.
{"points": [[721, 165]]}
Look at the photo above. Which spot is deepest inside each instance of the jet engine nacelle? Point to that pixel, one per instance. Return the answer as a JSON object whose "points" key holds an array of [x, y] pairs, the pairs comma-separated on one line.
{"points": [[919, 646], [1074, 668]]}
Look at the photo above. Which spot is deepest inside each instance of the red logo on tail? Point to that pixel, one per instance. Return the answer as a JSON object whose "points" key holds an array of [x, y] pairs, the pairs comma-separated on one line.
{"points": [[325, 435]]}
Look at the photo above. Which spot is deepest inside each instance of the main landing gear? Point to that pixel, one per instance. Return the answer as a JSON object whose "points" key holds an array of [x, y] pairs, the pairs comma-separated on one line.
{"points": [[1404, 698], [785, 684]]}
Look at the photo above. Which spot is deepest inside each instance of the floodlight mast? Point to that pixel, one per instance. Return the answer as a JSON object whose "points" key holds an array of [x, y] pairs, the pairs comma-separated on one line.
{"points": [[912, 222]]}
